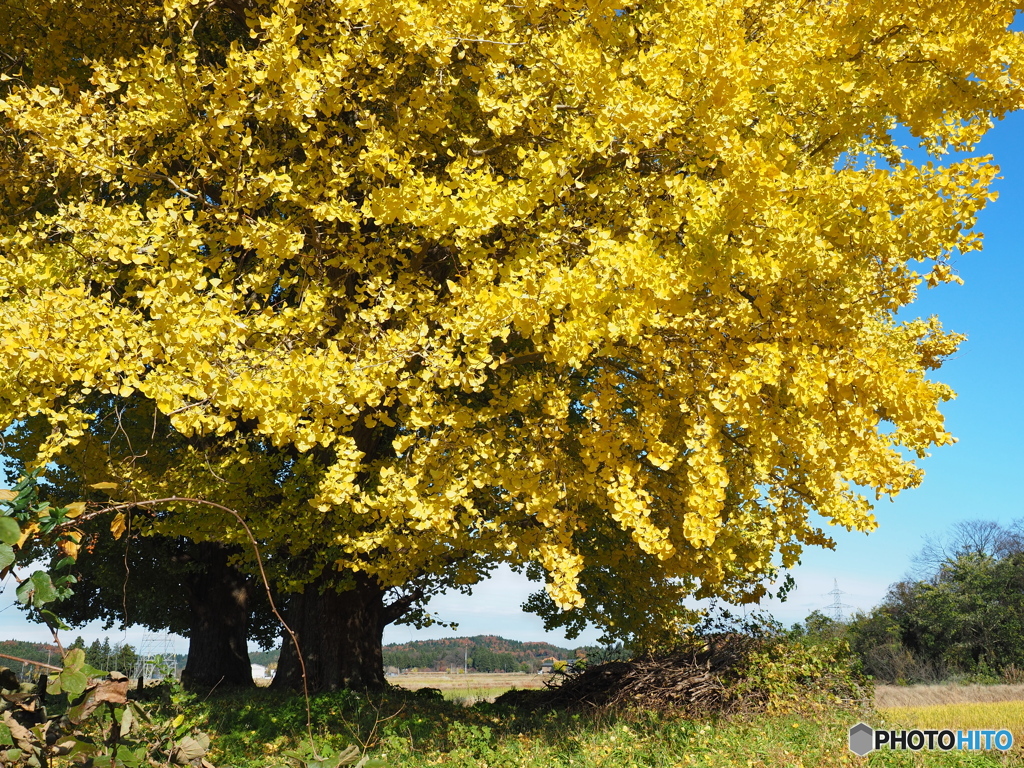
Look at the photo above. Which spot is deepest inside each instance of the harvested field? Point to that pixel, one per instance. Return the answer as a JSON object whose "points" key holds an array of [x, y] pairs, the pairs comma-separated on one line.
{"points": [[931, 695], [994, 715]]}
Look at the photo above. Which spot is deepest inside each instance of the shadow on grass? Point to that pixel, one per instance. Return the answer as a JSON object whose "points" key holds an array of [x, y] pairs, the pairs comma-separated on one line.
{"points": [[248, 727], [252, 728]]}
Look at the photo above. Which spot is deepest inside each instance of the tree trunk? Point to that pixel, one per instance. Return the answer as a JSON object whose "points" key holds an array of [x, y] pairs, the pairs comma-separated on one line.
{"points": [[341, 635], [218, 651]]}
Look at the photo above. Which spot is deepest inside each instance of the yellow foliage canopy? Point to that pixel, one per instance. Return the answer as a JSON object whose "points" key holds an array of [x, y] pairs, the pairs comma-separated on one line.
{"points": [[606, 287]]}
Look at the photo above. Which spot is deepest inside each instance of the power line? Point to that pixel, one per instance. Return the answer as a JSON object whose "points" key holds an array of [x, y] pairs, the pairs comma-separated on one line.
{"points": [[156, 657], [836, 610]]}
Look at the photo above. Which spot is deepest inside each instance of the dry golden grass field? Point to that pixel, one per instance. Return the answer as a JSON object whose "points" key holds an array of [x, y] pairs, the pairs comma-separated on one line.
{"points": [[993, 715], [956, 707], [887, 696]]}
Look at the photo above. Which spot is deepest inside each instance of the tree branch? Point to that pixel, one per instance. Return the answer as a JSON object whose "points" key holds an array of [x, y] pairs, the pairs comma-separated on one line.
{"points": [[394, 611]]}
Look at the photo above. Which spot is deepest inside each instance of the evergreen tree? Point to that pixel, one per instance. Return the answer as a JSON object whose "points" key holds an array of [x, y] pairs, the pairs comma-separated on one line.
{"points": [[95, 656], [106, 653], [123, 658]]}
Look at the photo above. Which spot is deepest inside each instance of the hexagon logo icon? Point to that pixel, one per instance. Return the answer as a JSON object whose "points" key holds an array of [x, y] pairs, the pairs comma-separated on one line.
{"points": [[862, 739]]}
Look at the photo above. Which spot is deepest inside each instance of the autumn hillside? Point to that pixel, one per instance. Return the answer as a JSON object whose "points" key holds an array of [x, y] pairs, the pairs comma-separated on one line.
{"points": [[41, 652]]}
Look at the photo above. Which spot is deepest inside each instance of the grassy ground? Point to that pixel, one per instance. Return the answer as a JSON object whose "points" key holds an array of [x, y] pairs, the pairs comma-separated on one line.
{"points": [[406, 730]]}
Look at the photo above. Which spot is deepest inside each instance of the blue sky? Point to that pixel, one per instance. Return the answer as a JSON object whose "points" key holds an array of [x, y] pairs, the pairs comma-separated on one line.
{"points": [[975, 479]]}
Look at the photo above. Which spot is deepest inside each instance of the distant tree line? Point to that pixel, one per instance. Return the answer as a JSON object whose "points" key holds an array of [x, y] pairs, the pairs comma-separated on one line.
{"points": [[119, 657], [488, 653], [478, 658], [486, 660], [265, 657], [481, 653], [960, 616]]}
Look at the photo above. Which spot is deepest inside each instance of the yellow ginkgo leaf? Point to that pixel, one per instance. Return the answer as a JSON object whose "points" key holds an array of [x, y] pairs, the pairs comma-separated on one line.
{"points": [[70, 544], [27, 532], [118, 525], [70, 548]]}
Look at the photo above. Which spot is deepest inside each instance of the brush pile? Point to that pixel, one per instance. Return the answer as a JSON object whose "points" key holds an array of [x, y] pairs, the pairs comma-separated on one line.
{"points": [[715, 674], [699, 678]]}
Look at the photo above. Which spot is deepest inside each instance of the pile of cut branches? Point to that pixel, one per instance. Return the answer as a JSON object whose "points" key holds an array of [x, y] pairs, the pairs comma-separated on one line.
{"points": [[696, 679], [714, 674]]}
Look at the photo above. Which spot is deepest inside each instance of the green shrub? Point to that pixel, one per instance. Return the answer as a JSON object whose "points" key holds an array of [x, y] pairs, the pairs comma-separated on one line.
{"points": [[783, 675]]}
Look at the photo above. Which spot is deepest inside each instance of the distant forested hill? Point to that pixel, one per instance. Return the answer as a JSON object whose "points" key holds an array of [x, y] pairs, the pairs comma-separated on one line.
{"points": [[482, 653], [42, 652]]}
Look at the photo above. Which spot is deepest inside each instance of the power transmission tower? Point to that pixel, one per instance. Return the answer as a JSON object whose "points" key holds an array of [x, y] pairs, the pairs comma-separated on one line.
{"points": [[836, 610], [156, 657]]}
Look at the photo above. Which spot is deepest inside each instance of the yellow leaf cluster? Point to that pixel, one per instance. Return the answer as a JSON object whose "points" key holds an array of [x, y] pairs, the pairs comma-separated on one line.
{"points": [[603, 287]]}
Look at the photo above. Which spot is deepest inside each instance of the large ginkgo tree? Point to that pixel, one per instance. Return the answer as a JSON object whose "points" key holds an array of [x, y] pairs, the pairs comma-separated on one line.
{"points": [[608, 290]]}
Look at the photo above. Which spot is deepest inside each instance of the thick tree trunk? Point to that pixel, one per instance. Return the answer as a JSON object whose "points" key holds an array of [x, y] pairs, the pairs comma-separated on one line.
{"points": [[218, 651], [341, 635]]}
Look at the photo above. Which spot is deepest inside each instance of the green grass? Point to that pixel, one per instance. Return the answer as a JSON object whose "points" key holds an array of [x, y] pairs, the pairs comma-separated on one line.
{"points": [[407, 731]]}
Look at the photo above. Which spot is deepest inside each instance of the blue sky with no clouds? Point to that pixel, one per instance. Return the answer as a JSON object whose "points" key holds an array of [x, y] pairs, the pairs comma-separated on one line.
{"points": [[976, 479]]}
